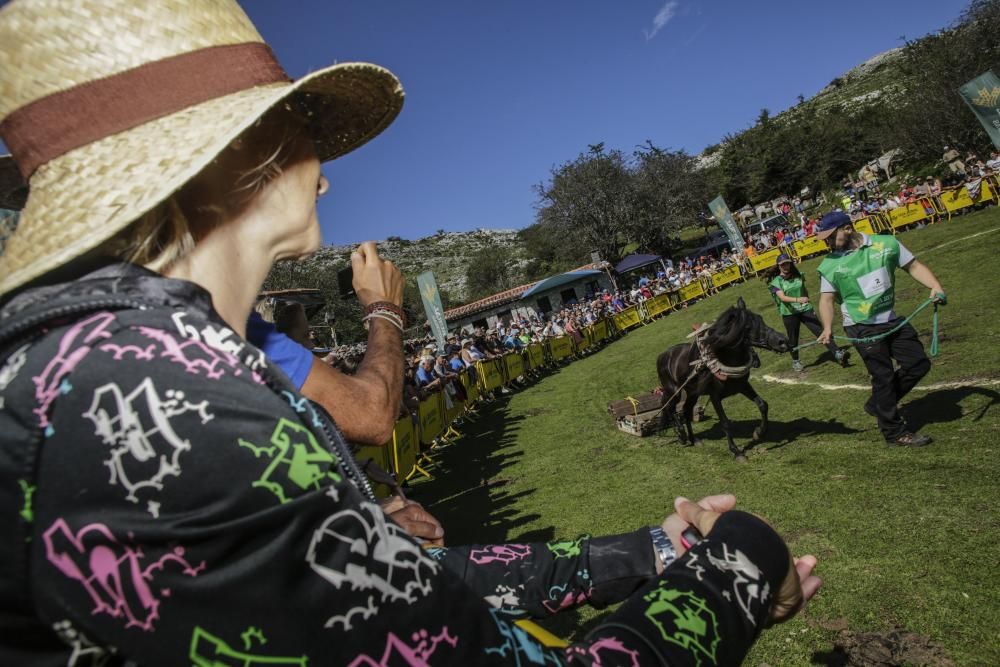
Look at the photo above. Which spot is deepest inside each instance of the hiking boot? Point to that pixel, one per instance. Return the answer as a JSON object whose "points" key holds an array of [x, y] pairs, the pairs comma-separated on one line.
{"points": [[908, 439], [841, 357], [797, 366]]}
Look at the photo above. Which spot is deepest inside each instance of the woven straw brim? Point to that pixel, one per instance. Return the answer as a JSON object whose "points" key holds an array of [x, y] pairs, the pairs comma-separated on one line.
{"points": [[83, 198]]}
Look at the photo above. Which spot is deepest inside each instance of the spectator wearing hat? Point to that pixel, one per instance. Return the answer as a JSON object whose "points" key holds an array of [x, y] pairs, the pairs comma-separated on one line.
{"points": [[860, 275], [788, 289]]}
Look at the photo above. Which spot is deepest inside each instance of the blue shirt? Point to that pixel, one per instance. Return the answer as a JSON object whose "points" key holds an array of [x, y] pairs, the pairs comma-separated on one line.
{"points": [[285, 353], [424, 376], [456, 364]]}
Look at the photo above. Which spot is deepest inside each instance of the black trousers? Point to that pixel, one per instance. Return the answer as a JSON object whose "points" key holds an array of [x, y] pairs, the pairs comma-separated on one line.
{"points": [[811, 322], [890, 384]]}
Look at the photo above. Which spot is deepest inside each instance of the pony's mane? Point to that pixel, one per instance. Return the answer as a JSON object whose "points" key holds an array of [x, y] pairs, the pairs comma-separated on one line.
{"points": [[728, 328]]}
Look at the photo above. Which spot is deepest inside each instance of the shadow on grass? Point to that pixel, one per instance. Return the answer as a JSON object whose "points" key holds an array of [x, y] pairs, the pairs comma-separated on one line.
{"points": [[467, 494], [944, 406], [779, 434]]}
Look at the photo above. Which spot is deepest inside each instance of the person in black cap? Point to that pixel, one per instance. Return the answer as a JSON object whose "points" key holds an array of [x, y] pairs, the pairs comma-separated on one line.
{"points": [[860, 275], [788, 289]]}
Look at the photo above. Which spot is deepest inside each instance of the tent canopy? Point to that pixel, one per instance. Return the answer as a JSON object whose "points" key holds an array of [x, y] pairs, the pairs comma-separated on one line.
{"points": [[557, 281], [635, 262]]}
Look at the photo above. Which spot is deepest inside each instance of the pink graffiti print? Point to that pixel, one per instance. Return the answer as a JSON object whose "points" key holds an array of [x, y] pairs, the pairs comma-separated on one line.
{"points": [[606, 648], [114, 575], [196, 357], [568, 600], [500, 553], [398, 652], [74, 345]]}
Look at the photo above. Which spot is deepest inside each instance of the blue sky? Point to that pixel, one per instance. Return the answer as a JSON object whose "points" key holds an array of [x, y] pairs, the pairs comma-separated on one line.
{"points": [[498, 93]]}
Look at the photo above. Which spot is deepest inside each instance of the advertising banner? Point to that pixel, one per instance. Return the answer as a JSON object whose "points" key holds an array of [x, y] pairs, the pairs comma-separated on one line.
{"points": [[726, 276], [982, 94], [431, 298], [725, 219]]}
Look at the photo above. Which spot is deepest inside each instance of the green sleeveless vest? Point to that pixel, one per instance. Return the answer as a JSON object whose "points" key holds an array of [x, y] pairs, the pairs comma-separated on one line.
{"points": [[865, 279], [793, 287]]}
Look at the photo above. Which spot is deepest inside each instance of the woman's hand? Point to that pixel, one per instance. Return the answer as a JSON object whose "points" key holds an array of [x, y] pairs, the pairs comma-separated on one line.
{"points": [[799, 584], [375, 279]]}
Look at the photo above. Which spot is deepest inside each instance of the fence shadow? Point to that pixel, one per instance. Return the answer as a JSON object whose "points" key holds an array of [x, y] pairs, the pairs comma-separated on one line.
{"points": [[468, 493]]}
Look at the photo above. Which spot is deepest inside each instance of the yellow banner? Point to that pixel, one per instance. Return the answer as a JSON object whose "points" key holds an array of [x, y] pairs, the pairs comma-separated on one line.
{"points": [[690, 291], [536, 355], [628, 318], [765, 260], [514, 363], [381, 458], [430, 416], [404, 447], [489, 374], [726, 275], [561, 347], [809, 246], [658, 304], [863, 225], [953, 200], [907, 215], [600, 330]]}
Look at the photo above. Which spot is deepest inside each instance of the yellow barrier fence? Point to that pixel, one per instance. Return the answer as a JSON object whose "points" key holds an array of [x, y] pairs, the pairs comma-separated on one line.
{"points": [[628, 318], [690, 291], [560, 347], [864, 225], [910, 214], [808, 246], [490, 376], [514, 365], [600, 330], [658, 304], [727, 275], [381, 456], [404, 450], [764, 260], [430, 418], [536, 355], [956, 200], [471, 388]]}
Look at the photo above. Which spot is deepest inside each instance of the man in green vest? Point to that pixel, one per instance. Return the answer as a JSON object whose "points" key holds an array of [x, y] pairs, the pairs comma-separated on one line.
{"points": [[860, 275]]}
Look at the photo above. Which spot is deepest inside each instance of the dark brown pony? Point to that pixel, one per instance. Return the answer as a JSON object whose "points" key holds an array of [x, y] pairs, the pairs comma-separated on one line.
{"points": [[730, 341]]}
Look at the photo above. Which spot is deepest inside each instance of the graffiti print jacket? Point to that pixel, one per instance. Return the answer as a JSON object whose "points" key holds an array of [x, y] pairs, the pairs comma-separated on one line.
{"points": [[167, 498]]}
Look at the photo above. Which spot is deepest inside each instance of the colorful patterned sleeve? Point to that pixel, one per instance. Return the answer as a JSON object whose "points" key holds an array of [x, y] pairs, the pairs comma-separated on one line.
{"points": [[185, 512], [540, 579]]}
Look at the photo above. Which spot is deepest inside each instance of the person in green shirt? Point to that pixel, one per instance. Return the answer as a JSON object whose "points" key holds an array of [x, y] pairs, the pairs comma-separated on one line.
{"points": [[860, 275], [788, 289]]}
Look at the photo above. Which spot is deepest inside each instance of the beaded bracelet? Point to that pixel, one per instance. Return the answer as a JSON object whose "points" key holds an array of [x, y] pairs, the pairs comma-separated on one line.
{"points": [[383, 315]]}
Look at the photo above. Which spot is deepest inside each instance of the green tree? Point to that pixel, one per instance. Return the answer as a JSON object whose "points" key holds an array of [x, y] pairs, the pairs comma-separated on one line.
{"points": [[489, 270]]}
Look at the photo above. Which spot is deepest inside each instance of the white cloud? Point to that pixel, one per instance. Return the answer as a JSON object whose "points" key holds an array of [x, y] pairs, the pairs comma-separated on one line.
{"points": [[662, 18]]}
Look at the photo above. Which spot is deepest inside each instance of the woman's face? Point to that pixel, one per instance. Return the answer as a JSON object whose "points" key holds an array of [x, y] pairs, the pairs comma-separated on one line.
{"points": [[288, 203]]}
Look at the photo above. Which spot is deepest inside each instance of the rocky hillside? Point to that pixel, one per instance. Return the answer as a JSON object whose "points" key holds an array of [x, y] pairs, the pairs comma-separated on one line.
{"points": [[446, 254]]}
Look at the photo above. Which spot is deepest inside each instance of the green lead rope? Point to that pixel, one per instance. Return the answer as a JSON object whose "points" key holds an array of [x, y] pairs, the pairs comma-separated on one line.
{"points": [[938, 300]]}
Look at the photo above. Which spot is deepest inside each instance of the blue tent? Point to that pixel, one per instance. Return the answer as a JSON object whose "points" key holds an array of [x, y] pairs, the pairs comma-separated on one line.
{"points": [[561, 279], [635, 262]]}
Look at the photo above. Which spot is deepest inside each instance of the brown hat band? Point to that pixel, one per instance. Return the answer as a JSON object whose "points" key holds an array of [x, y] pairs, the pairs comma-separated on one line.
{"points": [[56, 124]]}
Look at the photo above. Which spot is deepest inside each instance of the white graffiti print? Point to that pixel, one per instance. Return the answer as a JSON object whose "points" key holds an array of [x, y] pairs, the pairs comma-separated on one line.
{"points": [[10, 369], [84, 652], [747, 579], [359, 549], [144, 447], [506, 597], [223, 339]]}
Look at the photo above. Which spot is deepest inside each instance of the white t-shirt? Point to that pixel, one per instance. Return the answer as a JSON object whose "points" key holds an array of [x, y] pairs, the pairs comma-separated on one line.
{"points": [[905, 257]]}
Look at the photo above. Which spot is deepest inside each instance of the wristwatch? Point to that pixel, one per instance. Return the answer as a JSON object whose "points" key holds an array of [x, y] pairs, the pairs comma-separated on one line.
{"points": [[664, 547]]}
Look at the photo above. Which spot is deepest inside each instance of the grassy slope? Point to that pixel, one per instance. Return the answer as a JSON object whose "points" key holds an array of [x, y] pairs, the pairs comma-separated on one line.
{"points": [[905, 538]]}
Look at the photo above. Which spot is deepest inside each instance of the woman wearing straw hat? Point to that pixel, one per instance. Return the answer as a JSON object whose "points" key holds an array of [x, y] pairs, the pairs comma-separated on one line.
{"points": [[788, 289], [168, 496]]}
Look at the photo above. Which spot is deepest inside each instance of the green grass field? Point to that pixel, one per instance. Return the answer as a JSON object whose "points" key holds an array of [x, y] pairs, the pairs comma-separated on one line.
{"points": [[906, 538]]}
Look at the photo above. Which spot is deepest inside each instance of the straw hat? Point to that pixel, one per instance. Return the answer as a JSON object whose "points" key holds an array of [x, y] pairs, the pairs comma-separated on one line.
{"points": [[110, 106]]}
